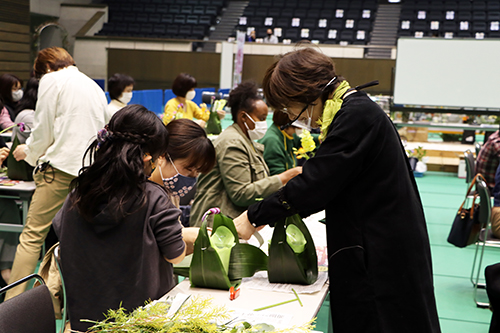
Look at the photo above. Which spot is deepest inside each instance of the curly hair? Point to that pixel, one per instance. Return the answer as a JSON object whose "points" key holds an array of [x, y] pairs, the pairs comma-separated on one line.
{"points": [[243, 98]]}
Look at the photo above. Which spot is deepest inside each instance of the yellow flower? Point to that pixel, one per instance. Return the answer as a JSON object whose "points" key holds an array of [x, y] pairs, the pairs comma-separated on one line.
{"points": [[307, 141]]}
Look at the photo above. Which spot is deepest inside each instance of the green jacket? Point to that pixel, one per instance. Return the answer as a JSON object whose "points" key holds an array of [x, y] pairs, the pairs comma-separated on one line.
{"points": [[239, 178], [278, 152]]}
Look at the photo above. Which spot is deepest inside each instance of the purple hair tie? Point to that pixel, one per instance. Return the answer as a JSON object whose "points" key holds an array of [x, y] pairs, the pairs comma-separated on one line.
{"points": [[210, 211], [102, 136]]}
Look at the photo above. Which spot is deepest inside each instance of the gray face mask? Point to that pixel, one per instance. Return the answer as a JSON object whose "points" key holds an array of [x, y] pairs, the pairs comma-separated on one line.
{"points": [[178, 185]]}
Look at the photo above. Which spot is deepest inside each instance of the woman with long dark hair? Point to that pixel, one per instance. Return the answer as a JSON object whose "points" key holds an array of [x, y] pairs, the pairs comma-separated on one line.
{"points": [[119, 233]]}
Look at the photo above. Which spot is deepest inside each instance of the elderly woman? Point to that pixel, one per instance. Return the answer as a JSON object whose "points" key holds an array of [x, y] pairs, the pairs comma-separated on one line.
{"points": [[379, 255], [241, 176]]}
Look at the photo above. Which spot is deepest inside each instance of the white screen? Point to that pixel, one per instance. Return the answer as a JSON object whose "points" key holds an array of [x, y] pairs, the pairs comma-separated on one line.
{"points": [[462, 73]]}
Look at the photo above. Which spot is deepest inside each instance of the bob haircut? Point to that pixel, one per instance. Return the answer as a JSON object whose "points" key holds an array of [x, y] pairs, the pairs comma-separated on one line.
{"points": [[188, 140], [243, 98], [117, 84], [53, 57], [182, 84], [7, 81], [299, 76]]}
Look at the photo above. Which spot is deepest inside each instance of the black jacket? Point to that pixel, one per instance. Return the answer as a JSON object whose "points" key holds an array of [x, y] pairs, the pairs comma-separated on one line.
{"points": [[379, 255]]}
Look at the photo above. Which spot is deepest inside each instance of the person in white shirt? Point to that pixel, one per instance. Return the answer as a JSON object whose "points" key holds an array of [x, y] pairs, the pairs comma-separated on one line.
{"points": [[71, 109], [120, 88], [270, 39]]}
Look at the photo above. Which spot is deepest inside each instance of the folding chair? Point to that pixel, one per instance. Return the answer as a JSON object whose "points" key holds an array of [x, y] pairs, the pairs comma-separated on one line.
{"points": [[470, 167], [485, 238], [29, 312]]}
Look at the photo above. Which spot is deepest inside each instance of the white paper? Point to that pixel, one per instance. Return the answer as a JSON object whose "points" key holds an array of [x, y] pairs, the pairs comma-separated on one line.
{"points": [[278, 320], [177, 303], [260, 282]]}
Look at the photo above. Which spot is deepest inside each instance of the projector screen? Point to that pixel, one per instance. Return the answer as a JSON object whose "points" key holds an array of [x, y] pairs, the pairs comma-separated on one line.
{"points": [[458, 73]]}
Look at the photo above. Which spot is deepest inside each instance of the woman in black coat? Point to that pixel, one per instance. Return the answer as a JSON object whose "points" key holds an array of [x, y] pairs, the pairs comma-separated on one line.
{"points": [[379, 255]]}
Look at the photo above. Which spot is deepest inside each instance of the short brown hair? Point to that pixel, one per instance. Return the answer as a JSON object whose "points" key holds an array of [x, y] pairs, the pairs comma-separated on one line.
{"points": [[280, 118], [53, 57], [186, 139], [299, 76], [182, 84]]}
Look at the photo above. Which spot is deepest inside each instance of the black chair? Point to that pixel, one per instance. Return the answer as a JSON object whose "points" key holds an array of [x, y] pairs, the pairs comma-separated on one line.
{"points": [[486, 239], [292, 34], [199, 32], [154, 18], [159, 29], [174, 9], [192, 19], [31, 311], [494, 16], [319, 34], [493, 5], [150, 8], [180, 19], [162, 9], [185, 31], [142, 18], [205, 20], [167, 19], [470, 167], [479, 16], [199, 10], [313, 13], [211, 10], [172, 31], [188, 10], [346, 36], [261, 11]]}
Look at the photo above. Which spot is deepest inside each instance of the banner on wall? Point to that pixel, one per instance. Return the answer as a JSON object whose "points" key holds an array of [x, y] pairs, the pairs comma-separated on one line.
{"points": [[238, 59]]}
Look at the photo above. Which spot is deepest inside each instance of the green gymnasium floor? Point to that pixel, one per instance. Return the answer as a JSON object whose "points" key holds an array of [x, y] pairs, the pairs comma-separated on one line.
{"points": [[441, 196]]}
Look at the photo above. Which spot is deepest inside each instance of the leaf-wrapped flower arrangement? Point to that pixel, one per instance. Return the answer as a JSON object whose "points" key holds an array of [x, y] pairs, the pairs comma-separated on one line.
{"points": [[220, 261]]}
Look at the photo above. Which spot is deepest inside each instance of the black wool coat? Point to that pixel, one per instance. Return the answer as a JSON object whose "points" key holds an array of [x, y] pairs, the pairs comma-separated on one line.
{"points": [[380, 266]]}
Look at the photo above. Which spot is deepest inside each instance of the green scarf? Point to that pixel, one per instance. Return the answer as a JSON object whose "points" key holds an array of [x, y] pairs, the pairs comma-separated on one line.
{"points": [[332, 106]]}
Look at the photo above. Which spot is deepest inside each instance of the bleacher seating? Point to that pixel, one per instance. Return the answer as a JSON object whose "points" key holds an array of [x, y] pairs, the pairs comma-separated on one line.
{"points": [[328, 21], [187, 19], [450, 19]]}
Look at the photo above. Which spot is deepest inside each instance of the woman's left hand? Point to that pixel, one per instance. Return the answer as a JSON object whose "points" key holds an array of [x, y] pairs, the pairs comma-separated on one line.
{"points": [[221, 114], [19, 153]]}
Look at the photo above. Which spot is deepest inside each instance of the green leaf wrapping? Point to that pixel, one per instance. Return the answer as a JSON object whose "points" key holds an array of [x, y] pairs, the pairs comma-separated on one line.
{"points": [[284, 265], [207, 269]]}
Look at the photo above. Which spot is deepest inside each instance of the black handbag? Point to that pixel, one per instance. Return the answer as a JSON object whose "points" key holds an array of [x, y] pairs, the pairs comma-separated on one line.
{"points": [[466, 227], [18, 170]]}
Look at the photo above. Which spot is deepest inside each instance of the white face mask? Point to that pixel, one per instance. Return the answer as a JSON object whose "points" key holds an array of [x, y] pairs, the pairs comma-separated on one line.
{"points": [[304, 124], [259, 131], [17, 95], [125, 97], [190, 95]]}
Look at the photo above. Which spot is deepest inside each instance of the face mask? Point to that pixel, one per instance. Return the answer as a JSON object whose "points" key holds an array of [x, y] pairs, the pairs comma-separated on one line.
{"points": [[304, 124], [259, 131], [126, 97], [269, 35], [190, 95], [179, 185], [17, 95]]}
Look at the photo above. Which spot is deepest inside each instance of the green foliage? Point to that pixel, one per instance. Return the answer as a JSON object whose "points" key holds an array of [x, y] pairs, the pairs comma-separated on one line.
{"points": [[418, 152], [197, 316]]}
